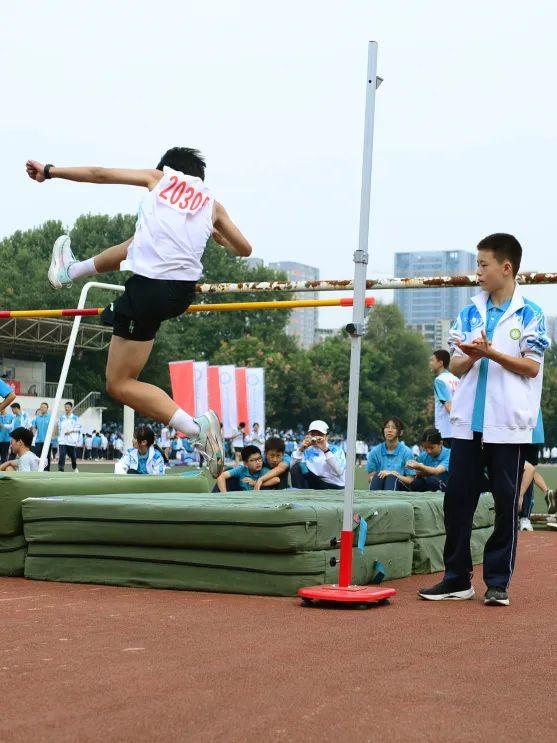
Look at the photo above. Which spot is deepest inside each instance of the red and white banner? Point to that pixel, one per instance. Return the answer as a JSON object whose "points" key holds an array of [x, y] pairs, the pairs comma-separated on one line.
{"points": [[235, 394], [201, 391], [229, 417], [182, 382], [255, 390]]}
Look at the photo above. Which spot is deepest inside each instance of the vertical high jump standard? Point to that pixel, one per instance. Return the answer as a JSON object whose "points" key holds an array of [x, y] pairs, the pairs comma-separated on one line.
{"points": [[344, 592]]}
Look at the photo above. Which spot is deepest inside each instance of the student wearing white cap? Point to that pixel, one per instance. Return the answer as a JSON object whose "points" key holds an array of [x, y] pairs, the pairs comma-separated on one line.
{"points": [[316, 464]]}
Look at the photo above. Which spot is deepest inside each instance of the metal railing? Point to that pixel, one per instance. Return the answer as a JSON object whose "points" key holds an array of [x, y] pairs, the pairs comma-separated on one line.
{"points": [[91, 400], [47, 389]]}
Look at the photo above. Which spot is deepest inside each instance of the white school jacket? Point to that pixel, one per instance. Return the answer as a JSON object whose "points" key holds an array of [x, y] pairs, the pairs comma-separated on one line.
{"points": [[512, 402], [130, 461]]}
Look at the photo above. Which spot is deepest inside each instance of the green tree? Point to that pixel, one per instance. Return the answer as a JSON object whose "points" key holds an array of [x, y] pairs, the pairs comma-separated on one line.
{"points": [[549, 396]]}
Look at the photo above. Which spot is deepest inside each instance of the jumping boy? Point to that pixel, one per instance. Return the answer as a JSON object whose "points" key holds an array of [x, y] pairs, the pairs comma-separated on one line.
{"points": [[176, 218], [498, 346]]}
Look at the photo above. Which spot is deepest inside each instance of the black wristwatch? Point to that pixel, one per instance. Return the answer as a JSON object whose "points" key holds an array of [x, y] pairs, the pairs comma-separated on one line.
{"points": [[46, 170], [326, 451]]}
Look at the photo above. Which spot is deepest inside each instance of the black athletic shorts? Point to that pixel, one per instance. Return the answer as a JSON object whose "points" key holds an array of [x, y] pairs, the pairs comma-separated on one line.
{"points": [[138, 313], [531, 454]]}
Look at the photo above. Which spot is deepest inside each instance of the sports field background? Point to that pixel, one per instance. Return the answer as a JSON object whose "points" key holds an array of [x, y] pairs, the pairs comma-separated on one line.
{"points": [[548, 472]]}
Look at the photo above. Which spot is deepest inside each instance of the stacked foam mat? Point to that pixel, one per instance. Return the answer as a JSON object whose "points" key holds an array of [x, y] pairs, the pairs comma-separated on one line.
{"points": [[260, 543], [15, 487]]}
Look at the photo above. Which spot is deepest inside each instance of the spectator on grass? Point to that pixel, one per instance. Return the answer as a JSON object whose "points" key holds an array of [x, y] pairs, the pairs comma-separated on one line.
{"points": [[104, 446], [237, 441], [144, 458], [277, 462], [317, 464], [432, 465], [21, 418], [40, 426], [256, 437], [87, 447], [69, 430], [444, 388], [25, 461], [95, 446], [387, 463], [246, 475]]}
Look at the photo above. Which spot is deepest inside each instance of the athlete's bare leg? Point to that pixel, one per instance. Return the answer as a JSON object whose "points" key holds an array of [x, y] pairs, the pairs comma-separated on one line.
{"points": [[126, 360], [110, 259]]}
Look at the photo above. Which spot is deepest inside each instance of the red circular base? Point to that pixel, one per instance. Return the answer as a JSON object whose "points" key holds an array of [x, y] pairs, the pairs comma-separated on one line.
{"points": [[347, 594]]}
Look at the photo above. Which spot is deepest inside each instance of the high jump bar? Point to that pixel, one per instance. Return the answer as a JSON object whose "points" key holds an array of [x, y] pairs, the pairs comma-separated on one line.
{"points": [[222, 307]]}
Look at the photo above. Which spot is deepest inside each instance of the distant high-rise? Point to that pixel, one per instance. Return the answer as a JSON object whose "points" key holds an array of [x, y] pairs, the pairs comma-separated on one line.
{"points": [[303, 322], [426, 306]]}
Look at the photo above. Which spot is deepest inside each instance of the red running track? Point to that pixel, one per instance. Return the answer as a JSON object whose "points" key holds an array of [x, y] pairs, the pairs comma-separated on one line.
{"points": [[81, 663]]}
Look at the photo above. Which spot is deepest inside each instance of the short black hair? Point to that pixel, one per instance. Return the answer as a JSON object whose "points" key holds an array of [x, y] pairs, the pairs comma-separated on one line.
{"points": [[144, 433], [248, 451], [443, 356], [68, 403], [15, 405], [274, 443], [44, 403], [431, 436], [22, 434], [184, 159], [241, 425], [504, 247], [399, 425]]}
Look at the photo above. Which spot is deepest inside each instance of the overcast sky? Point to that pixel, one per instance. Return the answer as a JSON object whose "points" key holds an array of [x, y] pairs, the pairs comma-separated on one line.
{"points": [[273, 94]]}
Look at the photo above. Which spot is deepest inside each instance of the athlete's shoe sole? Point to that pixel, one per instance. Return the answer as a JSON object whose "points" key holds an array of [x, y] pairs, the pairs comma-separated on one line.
{"points": [[210, 443], [496, 602], [62, 258], [451, 596]]}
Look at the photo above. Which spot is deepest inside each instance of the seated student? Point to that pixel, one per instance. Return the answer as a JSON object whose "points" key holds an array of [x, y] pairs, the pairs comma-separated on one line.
{"points": [[247, 474], [144, 458], [316, 463], [387, 463], [26, 461], [432, 465], [277, 462]]}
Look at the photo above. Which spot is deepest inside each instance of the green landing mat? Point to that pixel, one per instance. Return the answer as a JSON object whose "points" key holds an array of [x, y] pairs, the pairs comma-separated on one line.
{"points": [[428, 551], [206, 570], [17, 486], [260, 522], [12, 555], [428, 510]]}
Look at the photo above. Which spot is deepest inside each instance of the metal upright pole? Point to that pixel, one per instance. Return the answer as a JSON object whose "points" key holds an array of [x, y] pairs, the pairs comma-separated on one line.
{"points": [[356, 329]]}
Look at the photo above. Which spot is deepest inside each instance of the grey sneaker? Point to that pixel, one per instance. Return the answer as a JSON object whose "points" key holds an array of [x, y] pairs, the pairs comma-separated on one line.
{"points": [[551, 501], [62, 259], [496, 597], [210, 443]]}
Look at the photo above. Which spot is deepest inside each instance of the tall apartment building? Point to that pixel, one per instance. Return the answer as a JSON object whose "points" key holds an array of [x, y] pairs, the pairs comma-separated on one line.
{"points": [[303, 322], [426, 306]]}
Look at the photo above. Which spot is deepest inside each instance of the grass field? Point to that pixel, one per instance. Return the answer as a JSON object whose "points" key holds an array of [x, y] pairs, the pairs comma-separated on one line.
{"points": [[548, 472]]}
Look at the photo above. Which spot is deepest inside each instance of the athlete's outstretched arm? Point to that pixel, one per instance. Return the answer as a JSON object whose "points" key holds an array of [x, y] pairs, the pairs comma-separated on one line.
{"points": [[126, 176], [228, 234]]}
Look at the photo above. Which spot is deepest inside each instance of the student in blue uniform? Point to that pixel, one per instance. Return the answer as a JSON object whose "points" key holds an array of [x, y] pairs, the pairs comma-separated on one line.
{"points": [[40, 426], [145, 458], [6, 419], [498, 342], [248, 473], [432, 465], [387, 463]]}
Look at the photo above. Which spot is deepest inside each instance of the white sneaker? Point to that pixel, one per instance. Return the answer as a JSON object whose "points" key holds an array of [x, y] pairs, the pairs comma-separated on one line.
{"points": [[525, 524], [76, 470], [62, 259], [209, 443]]}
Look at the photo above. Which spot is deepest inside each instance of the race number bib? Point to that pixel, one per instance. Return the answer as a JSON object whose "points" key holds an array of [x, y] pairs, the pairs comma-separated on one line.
{"points": [[182, 197]]}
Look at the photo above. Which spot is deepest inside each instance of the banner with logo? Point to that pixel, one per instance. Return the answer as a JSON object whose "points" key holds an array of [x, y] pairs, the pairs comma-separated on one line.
{"points": [[255, 392], [229, 409]]}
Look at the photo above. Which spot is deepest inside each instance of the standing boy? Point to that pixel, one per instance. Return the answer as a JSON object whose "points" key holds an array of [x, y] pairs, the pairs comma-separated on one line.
{"points": [[443, 389], [69, 427], [498, 347], [40, 426], [175, 220]]}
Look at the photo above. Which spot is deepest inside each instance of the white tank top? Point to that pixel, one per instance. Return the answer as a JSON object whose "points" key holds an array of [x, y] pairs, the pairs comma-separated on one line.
{"points": [[174, 222]]}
